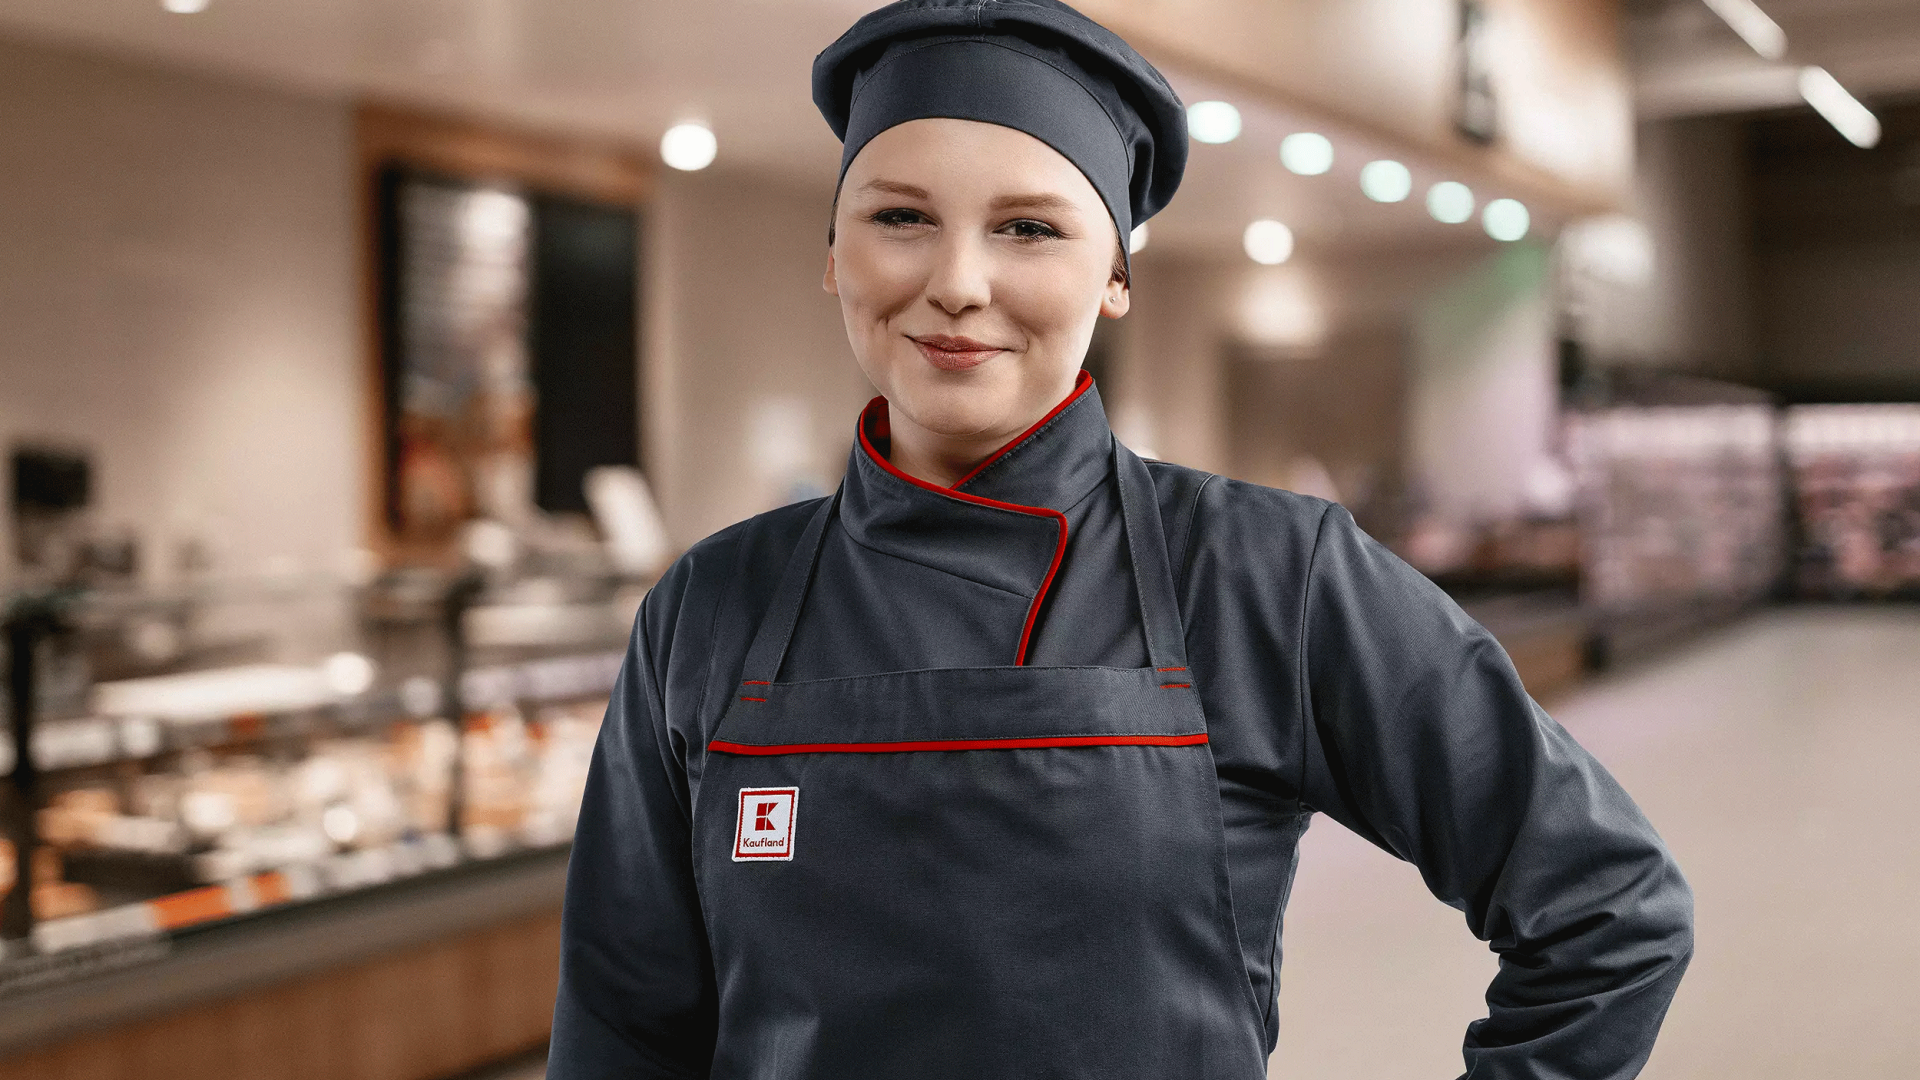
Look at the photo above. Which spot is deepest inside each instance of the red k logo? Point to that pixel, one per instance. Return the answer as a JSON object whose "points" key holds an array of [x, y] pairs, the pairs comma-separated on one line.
{"points": [[765, 830]]}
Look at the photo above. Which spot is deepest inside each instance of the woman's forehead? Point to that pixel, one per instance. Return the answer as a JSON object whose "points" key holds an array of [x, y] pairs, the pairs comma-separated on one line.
{"points": [[936, 158]]}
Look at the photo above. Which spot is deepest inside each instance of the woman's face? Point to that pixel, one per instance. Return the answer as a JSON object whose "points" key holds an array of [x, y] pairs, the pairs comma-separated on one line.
{"points": [[971, 261]]}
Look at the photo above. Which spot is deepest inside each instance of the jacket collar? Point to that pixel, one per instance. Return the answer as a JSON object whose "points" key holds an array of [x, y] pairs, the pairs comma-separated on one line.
{"points": [[1002, 524]]}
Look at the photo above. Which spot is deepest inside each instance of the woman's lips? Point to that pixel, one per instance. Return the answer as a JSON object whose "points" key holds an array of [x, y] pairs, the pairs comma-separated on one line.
{"points": [[954, 353]]}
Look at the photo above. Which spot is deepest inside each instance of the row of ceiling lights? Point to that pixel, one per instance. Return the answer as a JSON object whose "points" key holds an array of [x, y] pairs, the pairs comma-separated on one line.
{"points": [[1309, 153], [692, 146]]}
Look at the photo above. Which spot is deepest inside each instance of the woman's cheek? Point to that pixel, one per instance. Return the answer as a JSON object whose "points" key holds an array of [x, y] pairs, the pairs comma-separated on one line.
{"points": [[1049, 308]]}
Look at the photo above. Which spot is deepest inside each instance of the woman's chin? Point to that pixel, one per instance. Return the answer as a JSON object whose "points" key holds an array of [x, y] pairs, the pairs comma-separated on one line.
{"points": [[957, 412]]}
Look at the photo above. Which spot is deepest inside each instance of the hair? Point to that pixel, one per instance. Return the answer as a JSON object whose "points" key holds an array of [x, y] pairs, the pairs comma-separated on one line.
{"points": [[1121, 270]]}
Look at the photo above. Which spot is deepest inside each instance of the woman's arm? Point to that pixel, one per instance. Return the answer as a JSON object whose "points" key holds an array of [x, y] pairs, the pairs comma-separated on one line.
{"points": [[637, 995], [1420, 737]]}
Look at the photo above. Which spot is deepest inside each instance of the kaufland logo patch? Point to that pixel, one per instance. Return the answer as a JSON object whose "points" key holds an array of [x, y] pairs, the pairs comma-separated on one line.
{"points": [[766, 824]]}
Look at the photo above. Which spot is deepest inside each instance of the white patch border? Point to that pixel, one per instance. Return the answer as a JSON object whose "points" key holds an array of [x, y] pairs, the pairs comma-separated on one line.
{"points": [[793, 823]]}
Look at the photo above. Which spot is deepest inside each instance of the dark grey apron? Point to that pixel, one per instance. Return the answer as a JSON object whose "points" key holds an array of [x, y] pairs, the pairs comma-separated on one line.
{"points": [[980, 873]]}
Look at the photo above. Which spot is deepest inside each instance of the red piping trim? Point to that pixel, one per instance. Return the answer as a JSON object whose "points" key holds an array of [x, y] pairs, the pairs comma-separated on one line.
{"points": [[753, 699], [1176, 686], [1080, 384], [1041, 743], [1169, 669], [877, 407], [763, 682]]}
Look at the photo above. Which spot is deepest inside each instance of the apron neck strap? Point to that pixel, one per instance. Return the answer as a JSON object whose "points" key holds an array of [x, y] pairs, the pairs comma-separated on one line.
{"points": [[769, 646], [1146, 550], [1152, 569]]}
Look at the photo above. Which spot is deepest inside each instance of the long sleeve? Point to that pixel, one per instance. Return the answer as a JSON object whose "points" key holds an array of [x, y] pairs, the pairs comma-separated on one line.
{"points": [[1420, 737], [637, 996]]}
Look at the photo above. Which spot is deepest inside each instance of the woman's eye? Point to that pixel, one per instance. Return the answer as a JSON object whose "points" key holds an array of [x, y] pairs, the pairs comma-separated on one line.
{"points": [[1028, 229], [899, 218]]}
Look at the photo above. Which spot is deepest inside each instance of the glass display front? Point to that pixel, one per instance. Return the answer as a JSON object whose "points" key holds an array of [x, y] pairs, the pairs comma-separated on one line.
{"points": [[210, 753]]}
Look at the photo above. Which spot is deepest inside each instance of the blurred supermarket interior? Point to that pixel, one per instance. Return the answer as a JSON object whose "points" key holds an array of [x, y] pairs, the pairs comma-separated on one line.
{"points": [[362, 362]]}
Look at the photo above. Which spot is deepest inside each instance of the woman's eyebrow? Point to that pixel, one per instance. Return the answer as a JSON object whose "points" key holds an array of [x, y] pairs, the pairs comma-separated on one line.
{"points": [[895, 187], [1044, 200]]}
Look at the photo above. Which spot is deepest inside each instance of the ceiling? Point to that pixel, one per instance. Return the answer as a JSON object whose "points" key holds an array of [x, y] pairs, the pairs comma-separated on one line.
{"points": [[1688, 62], [631, 68]]}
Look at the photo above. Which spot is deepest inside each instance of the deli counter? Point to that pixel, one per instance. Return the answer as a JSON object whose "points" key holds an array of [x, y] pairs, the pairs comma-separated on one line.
{"points": [[241, 797]]}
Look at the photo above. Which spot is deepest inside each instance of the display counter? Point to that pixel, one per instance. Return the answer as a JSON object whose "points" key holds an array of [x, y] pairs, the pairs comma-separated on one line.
{"points": [[404, 981], [230, 806]]}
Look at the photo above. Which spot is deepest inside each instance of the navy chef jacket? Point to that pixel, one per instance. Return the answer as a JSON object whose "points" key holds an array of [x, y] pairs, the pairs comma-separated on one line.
{"points": [[1334, 678]]}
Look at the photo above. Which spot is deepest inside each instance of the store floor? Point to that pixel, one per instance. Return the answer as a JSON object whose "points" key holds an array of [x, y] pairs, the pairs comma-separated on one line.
{"points": [[1781, 760]]}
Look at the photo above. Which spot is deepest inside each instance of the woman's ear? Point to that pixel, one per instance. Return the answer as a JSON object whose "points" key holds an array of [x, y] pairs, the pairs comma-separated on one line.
{"points": [[1118, 299], [829, 282]]}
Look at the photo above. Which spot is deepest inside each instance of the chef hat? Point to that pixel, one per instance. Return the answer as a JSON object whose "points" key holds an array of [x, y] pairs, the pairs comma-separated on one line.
{"points": [[1036, 66]]}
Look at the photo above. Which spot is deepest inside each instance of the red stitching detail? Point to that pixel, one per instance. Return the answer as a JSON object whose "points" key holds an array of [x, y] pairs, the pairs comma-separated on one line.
{"points": [[1176, 686], [753, 699], [1038, 743], [877, 407], [756, 682], [1169, 669]]}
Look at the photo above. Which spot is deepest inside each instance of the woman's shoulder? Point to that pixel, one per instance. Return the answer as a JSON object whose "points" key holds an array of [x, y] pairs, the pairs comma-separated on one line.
{"points": [[739, 565], [1204, 510], [745, 549]]}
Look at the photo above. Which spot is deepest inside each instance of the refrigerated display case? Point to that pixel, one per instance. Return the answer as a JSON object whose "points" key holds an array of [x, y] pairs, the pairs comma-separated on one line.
{"points": [[1682, 516], [219, 756]]}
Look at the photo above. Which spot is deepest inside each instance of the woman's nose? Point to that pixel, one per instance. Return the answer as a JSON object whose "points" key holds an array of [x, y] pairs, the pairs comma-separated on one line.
{"points": [[961, 279]]}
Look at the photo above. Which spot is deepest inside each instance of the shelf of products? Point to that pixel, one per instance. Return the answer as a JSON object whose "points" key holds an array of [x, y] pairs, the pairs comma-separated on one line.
{"points": [[1677, 504], [1856, 471], [198, 757]]}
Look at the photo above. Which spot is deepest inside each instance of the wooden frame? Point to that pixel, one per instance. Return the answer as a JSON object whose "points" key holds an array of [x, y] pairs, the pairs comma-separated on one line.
{"points": [[599, 170]]}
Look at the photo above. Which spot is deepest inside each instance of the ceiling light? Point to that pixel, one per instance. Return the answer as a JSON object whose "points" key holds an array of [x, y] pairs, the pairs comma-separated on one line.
{"points": [[1213, 121], [1306, 153], [1450, 202], [1137, 240], [1506, 220], [688, 147], [1754, 26], [1268, 242], [1386, 181], [1842, 110], [184, 7]]}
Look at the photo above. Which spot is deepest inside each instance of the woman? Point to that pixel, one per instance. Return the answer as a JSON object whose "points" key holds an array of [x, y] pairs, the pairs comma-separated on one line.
{"points": [[994, 764]]}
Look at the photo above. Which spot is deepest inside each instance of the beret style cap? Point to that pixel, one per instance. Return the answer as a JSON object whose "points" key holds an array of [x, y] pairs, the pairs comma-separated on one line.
{"points": [[1037, 66]]}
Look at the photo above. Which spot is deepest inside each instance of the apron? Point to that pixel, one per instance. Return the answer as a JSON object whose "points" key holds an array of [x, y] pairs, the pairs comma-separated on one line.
{"points": [[1006, 873]]}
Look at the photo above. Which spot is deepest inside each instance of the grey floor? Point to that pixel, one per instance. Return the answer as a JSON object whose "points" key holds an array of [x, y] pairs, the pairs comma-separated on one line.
{"points": [[1781, 760]]}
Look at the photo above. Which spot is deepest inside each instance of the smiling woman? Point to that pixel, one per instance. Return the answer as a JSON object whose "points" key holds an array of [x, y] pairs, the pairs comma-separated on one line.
{"points": [[971, 261], [1059, 715]]}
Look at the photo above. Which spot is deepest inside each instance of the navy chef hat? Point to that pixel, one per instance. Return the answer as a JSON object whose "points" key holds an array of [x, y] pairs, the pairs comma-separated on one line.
{"points": [[1036, 66]]}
